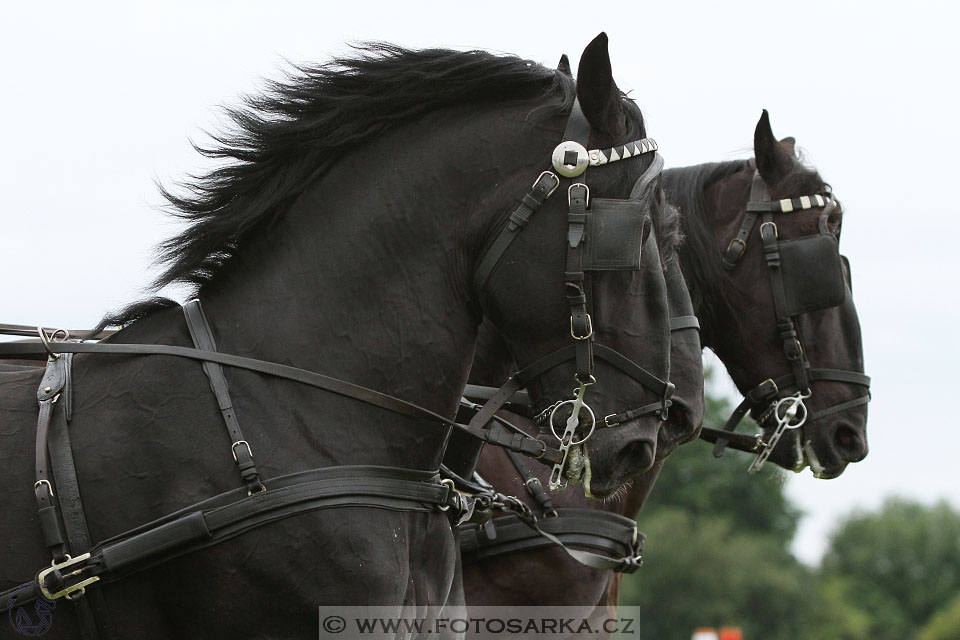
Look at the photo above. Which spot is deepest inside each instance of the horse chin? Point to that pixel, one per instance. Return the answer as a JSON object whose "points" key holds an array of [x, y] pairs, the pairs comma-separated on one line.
{"points": [[796, 454], [634, 458], [821, 471]]}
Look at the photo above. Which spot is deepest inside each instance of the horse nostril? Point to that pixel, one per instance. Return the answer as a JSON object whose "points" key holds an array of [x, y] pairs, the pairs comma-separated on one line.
{"points": [[850, 444]]}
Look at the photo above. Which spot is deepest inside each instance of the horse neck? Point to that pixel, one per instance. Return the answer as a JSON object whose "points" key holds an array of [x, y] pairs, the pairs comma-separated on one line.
{"points": [[366, 277], [710, 286]]}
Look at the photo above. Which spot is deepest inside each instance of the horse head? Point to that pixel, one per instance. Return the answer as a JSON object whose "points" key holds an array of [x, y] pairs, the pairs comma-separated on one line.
{"points": [[774, 294]]}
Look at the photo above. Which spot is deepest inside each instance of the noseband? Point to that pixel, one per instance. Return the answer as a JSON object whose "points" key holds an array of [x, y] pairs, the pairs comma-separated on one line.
{"points": [[805, 275]]}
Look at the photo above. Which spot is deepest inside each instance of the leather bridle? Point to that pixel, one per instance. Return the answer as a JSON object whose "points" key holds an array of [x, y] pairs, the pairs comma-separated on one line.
{"points": [[780, 400], [571, 159]]}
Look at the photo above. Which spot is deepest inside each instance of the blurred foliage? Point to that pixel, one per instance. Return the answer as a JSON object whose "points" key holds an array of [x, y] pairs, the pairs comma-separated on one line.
{"points": [[945, 624], [898, 566], [702, 571], [717, 554]]}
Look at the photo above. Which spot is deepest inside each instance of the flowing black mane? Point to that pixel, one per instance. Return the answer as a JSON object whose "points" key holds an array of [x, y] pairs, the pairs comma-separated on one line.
{"points": [[286, 138], [685, 188]]}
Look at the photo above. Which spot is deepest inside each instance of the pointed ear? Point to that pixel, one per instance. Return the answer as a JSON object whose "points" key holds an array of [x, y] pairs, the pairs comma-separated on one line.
{"points": [[790, 144], [598, 93], [773, 160], [564, 66]]}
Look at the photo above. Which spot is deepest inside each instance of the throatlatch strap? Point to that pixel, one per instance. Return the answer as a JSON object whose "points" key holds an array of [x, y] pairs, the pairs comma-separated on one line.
{"points": [[202, 338]]}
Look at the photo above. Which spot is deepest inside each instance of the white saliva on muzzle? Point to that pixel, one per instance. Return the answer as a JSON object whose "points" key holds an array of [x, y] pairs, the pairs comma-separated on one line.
{"points": [[811, 459]]}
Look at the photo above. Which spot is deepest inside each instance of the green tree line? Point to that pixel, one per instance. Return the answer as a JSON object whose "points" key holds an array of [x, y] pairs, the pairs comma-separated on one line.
{"points": [[718, 554]]}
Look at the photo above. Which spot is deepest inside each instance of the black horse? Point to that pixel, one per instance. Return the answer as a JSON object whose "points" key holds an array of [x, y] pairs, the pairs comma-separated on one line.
{"points": [[342, 236], [738, 315]]}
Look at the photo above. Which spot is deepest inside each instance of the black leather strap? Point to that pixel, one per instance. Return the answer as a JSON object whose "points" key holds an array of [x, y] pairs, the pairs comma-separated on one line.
{"points": [[529, 447], [51, 386], [302, 376], [680, 323], [738, 245], [612, 535], [532, 484], [545, 185], [235, 512], [240, 449]]}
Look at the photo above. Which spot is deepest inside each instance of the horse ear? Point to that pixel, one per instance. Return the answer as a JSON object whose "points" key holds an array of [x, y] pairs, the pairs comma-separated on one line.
{"points": [[599, 96], [564, 65], [774, 161], [790, 144]]}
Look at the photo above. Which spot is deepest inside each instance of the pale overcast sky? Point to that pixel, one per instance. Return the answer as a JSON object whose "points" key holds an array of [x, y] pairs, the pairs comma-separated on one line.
{"points": [[100, 99]]}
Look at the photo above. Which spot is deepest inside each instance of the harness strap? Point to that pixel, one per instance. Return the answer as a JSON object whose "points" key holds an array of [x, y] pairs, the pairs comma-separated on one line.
{"points": [[763, 393], [526, 445], [233, 513], [581, 325], [679, 323], [607, 533], [63, 514], [202, 337], [532, 484], [52, 386], [320, 381], [788, 332], [738, 244], [545, 185]]}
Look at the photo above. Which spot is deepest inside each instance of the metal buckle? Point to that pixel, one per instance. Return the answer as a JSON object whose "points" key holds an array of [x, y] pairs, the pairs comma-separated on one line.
{"points": [[589, 329], [772, 224], [449, 483], [79, 588], [540, 177], [36, 485], [736, 241], [534, 480], [586, 201], [233, 449], [606, 421]]}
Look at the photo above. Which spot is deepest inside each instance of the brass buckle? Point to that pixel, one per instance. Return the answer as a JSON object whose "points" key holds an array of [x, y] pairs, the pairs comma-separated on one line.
{"points": [[78, 588]]}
